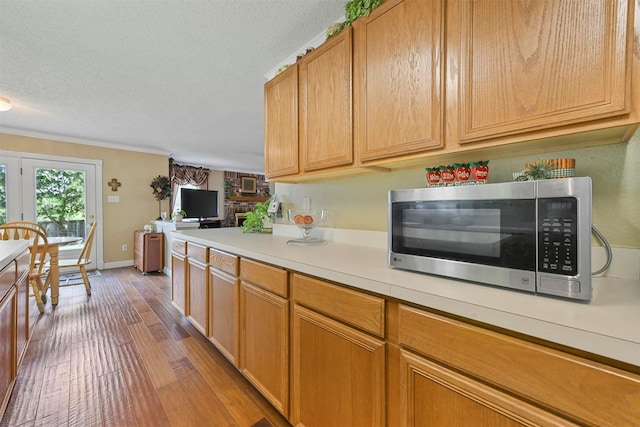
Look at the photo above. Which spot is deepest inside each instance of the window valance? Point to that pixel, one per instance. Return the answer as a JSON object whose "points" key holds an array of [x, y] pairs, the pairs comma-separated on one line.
{"points": [[181, 175]]}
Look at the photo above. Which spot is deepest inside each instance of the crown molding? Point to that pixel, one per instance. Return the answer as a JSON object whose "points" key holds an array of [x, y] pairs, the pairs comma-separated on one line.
{"points": [[74, 140]]}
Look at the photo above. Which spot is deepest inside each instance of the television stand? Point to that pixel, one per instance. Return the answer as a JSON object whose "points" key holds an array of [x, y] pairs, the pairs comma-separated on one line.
{"points": [[210, 223]]}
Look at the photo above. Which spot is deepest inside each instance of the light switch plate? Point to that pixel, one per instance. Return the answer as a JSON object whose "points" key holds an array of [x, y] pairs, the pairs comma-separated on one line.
{"points": [[113, 199]]}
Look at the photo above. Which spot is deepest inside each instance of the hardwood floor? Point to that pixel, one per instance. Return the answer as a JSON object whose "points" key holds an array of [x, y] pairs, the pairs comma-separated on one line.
{"points": [[126, 357]]}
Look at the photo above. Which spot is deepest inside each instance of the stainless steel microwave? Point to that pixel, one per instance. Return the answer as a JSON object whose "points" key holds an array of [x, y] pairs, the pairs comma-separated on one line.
{"points": [[532, 236]]}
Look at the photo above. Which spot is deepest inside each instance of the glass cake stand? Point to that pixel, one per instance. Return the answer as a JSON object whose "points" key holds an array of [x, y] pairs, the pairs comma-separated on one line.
{"points": [[306, 219]]}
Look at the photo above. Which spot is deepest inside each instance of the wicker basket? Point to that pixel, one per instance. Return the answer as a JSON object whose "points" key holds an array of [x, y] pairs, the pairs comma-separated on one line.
{"points": [[557, 168]]}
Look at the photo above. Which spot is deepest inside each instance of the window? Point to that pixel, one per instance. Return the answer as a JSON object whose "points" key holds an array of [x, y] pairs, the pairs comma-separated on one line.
{"points": [[178, 196]]}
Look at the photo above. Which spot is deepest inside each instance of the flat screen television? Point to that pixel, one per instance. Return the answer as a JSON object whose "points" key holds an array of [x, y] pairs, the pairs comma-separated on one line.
{"points": [[199, 204]]}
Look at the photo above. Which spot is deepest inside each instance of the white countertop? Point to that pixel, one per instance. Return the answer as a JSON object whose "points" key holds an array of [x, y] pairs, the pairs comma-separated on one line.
{"points": [[609, 325], [10, 249]]}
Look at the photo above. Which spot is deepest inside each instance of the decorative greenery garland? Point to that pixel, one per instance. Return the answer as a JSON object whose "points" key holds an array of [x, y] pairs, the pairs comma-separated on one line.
{"points": [[353, 10]]}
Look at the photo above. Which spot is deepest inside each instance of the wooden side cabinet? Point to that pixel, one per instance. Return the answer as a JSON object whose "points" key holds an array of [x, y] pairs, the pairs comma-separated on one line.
{"points": [[148, 251]]}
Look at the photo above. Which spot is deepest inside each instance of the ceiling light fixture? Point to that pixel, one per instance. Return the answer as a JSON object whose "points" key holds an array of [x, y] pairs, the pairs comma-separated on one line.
{"points": [[5, 104]]}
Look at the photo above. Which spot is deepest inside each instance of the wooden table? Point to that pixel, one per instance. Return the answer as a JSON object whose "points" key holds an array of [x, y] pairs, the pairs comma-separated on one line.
{"points": [[54, 270]]}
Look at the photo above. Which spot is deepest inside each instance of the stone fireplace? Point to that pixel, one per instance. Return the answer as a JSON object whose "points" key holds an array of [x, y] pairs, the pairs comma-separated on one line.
{"points": [[237, 203]]}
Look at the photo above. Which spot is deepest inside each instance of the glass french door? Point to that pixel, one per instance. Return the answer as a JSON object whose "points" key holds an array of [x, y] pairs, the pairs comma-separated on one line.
{"points": [[10, 197], [61, 197]]}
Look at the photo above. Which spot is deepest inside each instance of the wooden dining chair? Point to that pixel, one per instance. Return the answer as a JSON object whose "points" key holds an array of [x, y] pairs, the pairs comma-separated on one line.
{"points": [[38, 269], [33, 225], [29, 224], [83, 259]]}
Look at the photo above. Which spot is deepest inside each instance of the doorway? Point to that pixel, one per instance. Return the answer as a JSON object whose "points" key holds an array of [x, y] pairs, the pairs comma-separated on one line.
{"points": [[61, 194]]}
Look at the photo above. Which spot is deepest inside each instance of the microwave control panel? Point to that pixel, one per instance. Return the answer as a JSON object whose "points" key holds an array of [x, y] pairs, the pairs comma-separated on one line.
{"points": [[557, 236]]}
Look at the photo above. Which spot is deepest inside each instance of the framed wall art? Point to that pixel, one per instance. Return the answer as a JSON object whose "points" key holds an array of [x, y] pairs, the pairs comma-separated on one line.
{"points": [[248, 185]]}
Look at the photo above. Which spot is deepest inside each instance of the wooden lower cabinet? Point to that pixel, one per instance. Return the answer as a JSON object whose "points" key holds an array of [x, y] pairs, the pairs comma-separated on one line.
{"points": [[338, 373], [15, 322], [455, 373], [433, 395], [338, 370], [7, 346], [224, 319], [198, 289], [264, 331], [325, 354], [22, 312], [23, 288], [224, 303], [179, 278]]}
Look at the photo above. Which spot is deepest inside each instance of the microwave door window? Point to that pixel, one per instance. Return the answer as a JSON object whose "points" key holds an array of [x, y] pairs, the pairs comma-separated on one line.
{"points": [[499, 233], [471, 232]]}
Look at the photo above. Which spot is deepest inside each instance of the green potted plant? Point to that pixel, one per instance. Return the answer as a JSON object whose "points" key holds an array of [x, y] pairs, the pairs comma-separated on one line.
{"points": [[255, 220], [228, 186], [179, 215]]}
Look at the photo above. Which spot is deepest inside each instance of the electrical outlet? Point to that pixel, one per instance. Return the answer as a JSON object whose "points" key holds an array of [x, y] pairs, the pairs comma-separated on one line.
{"points": [[125, 248]]}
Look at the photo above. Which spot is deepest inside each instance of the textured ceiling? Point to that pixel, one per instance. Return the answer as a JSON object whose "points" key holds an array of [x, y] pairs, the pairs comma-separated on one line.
{"points": [[184, 78]]}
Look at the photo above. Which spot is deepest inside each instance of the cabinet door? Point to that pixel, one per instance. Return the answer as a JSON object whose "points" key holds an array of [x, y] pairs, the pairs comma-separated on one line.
{"points": [[153, 252], [281, 123], [432, 395], [23, 289], [398, 66], [223, 320], [22, 325], [198, 295], [334, 364], [264, 343], [526, 66], [7, 346], [325, 105], [584, 390], [178, 282]]}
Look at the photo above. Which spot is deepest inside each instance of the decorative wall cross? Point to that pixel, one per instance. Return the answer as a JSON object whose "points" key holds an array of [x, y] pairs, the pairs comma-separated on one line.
{"points": [[114, 184]]}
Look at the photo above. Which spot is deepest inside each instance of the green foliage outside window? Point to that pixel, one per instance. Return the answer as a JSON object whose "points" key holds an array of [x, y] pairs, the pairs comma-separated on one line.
{"points": [[60, 196]]}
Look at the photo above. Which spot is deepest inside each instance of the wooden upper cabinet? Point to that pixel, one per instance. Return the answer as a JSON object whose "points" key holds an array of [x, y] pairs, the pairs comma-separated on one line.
{"points": [[326, 136], [398, 105], [540, 64], [281, 124]]}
